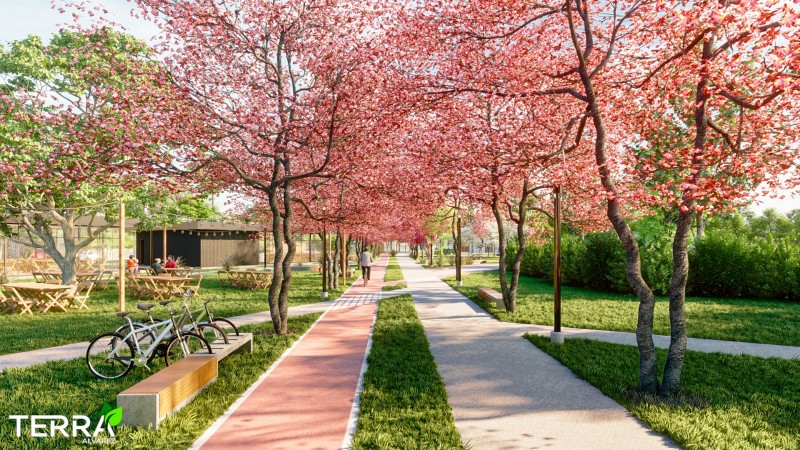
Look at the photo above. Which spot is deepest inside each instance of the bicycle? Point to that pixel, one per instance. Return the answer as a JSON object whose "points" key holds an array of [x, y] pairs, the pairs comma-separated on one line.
{"points": [[112, 355], [209, 329], [214, 320]]}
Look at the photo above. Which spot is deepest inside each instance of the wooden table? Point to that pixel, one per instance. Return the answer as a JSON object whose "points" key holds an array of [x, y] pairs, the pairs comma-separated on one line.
{"points": [[44, 296], [179, 271], [251, 279], [162, 287], [79, 276]]}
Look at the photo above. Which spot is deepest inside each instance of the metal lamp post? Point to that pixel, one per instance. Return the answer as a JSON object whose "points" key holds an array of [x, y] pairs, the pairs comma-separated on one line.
{"points": [[324, 293], [556, 335]]}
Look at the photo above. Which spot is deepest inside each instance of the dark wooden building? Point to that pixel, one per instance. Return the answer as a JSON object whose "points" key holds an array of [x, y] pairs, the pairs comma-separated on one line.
{"points": [[201, 244]]}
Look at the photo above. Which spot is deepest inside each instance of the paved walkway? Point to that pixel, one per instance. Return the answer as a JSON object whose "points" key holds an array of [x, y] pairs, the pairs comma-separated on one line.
{"points": [[506, 393], [78, 349], [309, 398]]}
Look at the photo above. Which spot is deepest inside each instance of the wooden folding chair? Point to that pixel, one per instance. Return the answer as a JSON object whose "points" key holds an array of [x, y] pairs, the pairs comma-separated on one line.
{"points": [[5, 303], [103, 279], [224, 278], [262, 280], [21, 304], [81, 295], [58, 300], [195, 287], [39, 277], [136, 287]]}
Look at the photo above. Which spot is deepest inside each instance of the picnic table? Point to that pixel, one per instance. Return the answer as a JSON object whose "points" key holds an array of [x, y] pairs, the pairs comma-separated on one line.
{"points": [[162, 287], [100, 278], [179, 271], [250, 279], [44, 296]]}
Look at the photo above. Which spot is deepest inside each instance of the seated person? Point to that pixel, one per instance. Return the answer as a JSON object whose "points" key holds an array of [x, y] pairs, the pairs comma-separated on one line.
{"points": [[170, 264], [157, 267], [133, 265]]}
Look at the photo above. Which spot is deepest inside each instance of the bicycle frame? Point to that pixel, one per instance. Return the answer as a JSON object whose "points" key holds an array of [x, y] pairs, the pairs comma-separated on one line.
{"points": [[143, 356]]}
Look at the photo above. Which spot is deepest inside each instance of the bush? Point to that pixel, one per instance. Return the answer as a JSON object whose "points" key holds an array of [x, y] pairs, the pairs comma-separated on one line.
{"points": [[604, 262], [393, 253], [720, 264]]}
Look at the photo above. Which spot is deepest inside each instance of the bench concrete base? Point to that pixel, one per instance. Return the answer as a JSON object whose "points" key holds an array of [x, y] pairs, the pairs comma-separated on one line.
{"points": [[492, 296], [150, 401]]}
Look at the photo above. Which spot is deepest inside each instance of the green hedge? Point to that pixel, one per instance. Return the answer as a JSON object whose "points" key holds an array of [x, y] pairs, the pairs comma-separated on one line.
{"points": [[722, 264]]}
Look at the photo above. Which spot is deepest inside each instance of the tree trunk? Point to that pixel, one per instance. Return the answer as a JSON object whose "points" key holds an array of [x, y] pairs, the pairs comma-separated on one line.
{"points": [[273, 295], [498, 217], [648, 363], [670, 383], [291, 248], [701, 226], [522, 213]]}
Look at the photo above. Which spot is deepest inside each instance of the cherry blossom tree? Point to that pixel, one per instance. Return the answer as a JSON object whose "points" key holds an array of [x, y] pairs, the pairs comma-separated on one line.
{"points": [[71, 143]]}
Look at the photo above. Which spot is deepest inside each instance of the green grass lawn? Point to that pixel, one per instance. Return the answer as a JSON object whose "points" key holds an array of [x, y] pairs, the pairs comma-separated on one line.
{"points": [[30, 332], [67, 388], [760, 321], [393, 272], [749, 402], [404, 402]]}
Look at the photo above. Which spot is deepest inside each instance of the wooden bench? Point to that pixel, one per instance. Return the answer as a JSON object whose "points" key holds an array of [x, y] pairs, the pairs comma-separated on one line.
{"points": [[491, 296], [153, 399]]}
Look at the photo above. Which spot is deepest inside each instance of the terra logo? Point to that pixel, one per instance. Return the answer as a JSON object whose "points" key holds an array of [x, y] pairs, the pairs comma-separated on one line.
{"points": [[77, 426]]}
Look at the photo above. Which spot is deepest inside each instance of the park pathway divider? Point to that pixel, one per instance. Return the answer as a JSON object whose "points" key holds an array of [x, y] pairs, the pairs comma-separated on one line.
{"points": [[307, 398]]}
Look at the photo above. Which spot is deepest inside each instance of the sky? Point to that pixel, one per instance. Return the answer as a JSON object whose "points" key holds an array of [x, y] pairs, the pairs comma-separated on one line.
{"points": [[21, 18]]}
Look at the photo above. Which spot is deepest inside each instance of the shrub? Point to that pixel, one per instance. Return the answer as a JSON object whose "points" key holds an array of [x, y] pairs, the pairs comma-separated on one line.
{"points": [[393, 253], [720, 265]]}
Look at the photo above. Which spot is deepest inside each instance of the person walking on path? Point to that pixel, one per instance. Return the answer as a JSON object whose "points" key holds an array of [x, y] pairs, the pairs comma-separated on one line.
{"points": [[366, 263]]}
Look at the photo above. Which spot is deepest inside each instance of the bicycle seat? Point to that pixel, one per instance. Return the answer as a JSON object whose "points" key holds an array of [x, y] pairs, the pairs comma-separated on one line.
{"points": [[166, 302], [145, 306], [124, 314]]}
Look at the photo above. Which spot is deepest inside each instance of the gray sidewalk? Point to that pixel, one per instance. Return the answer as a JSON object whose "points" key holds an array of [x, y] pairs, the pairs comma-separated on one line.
{"points": [[506, 393], [78, 349]]}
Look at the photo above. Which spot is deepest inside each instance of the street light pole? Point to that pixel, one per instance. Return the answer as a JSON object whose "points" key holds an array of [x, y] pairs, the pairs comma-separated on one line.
{"points": [[324, 293], [556, 336]]}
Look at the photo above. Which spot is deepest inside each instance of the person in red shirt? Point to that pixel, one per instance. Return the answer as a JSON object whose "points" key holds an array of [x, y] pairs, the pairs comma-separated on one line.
{"points": [[170, 264]]}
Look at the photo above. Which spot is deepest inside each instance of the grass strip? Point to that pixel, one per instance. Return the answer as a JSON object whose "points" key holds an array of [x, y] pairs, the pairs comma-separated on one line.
{"points": [[760, 321], [404, 402], [31, 332], [67, 388], [734, 401], [393, 272], [394, 287]]}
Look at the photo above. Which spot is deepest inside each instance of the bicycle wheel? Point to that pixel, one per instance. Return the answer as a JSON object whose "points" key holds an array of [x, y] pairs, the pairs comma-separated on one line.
{"points": [[109, 356], [145, 337], [225, 324], [212, 333], [194, 343]]}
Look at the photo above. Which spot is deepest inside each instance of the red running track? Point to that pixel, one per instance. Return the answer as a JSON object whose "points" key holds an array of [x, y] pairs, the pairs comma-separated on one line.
{"points": [[306, 401]]}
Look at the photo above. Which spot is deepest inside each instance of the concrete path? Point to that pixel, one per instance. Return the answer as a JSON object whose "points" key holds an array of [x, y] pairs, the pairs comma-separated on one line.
{"points": [[309, 398], [451, 271], [78, 349], [506, 393]]}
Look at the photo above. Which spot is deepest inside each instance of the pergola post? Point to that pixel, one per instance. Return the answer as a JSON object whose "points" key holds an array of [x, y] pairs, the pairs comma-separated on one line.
{"points": [[164, 258]]}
